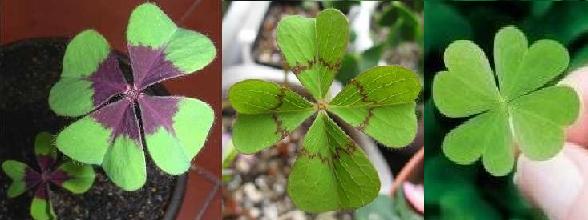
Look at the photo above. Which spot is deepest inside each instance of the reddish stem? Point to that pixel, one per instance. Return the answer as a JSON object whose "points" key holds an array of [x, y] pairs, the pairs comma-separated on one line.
{"points": [[407, 170]]}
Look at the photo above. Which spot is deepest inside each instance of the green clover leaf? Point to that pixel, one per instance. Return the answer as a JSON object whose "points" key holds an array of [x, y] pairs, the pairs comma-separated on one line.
{"points": [[74, 177], [331, 172], [524, 111], [120, 120]]}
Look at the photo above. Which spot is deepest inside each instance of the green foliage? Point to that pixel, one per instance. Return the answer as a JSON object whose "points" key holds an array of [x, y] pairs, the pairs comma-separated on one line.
{"points": [[331, 172], [72, 95], [479, 22], [523, 111], [92, 85], [73, 177], [186, 49], [42, 209]]}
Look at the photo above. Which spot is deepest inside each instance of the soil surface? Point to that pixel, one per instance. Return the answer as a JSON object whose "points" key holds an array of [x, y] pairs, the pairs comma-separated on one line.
{"points": [[28, 70]]}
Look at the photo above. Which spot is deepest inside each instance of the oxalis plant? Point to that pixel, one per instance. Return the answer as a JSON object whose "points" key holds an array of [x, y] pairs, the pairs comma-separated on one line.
{"points": [[119, 119], [526, 110], [74, 177], [331, 172]]}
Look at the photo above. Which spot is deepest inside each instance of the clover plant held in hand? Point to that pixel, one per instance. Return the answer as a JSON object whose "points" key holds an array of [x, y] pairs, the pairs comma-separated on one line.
{"points": [[521, 110], [331, 172], [76, 178], [110, 134]]}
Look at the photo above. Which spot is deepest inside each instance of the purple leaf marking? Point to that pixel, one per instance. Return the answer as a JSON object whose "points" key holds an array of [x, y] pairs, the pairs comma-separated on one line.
{"points": [[41, 191], [32, 178], [120, 117], [108, 80], [150, 67], [58, 177], [156, 112], [45, 162]]}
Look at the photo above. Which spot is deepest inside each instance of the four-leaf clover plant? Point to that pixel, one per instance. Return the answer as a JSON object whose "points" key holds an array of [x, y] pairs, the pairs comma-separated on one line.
{"points": [[120, 120], [331, 171], [522, 111], [75, 177]]}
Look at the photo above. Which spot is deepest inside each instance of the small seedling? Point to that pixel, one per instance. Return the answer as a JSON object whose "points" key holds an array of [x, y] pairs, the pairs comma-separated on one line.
{"points": [[74, 177], [121, 119], [524, 111], [331, 172]]}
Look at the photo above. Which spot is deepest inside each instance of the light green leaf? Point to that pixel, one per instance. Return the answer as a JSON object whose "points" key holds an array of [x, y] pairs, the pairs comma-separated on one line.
{"points": [[149, 26], [42, 209], [167, 152], [296, 38], [332, 33], [43, 145], [84, 54], [192, 124], [124, 163], [520, 114], [313, 49], [187, 50], [539, 120], [488, 132], [80, 177], [267, 112], [73, 94], [172, 146], [510, 46], [499, 158], [45, 152], [85, 140], [331, 172], [468, 86], [16, 171], [381, 102], [542, 62]]}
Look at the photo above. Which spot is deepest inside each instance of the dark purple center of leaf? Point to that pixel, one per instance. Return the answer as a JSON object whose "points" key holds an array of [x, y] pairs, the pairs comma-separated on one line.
{"points": [[58, 177], [41, 192], [108, 80], [120, 117], [45, 162], [156, 112], [32, 177], [150, 66]]}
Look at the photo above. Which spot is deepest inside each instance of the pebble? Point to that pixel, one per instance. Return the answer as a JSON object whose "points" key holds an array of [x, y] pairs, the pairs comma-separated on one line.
{"points": [[252, 193], [293, 215]]}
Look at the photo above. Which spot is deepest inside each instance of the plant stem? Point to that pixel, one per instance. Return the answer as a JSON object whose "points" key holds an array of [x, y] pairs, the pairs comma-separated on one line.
{"points": [[407, 170]]}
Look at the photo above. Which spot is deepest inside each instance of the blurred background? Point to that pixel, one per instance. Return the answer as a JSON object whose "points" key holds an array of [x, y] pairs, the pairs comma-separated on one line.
{"points": [[469, 192], [381, 33]]}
